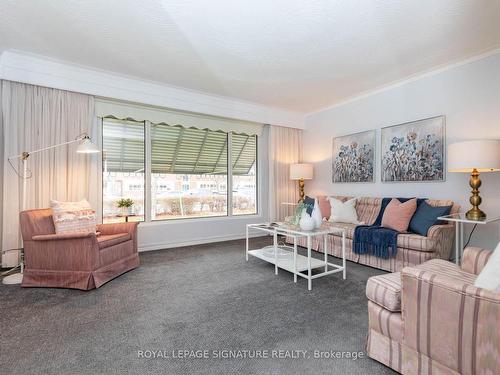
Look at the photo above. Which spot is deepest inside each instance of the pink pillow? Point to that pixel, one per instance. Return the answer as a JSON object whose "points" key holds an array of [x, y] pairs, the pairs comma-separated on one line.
{"points": [[324, 206], [397, 215]]}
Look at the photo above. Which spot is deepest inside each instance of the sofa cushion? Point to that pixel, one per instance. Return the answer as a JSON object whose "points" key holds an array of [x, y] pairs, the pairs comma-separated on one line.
{"points": [[108, 240], [349, 228], [426, 216], [397, 215], [416, 242], [385, 290], [408, 241]]}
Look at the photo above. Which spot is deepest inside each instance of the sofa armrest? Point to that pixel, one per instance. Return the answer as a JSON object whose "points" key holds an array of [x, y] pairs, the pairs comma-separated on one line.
{"points": [[443, 235], [437, 230], [65, 236], [474, 259], [62, 253], [450, 320]]}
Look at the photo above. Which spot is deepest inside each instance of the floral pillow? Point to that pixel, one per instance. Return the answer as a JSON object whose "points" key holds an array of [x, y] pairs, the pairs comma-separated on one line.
{"points": [[73, 217]]}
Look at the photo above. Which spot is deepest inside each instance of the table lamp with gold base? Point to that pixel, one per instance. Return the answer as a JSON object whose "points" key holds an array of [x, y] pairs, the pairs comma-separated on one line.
{"points": [[301, 172], [474, 157]]}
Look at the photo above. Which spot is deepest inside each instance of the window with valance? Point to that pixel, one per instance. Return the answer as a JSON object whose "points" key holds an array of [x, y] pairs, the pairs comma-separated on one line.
{"points": [[172, 170]]}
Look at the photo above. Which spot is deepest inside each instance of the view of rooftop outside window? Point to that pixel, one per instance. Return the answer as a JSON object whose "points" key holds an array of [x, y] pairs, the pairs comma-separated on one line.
{"points": [[189, 172], [244, 158], [123, 170]]}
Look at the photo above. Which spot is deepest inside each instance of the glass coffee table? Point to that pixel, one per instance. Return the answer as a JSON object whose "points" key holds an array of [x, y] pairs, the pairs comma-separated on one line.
{"points": [[286, 256]]}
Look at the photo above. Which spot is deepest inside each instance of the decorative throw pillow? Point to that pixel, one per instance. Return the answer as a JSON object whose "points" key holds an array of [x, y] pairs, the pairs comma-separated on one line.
{"points": [[73, 217], [426, 216], [324, 206], [309, 203], [343, 212], [397, 215], [489, 277]]}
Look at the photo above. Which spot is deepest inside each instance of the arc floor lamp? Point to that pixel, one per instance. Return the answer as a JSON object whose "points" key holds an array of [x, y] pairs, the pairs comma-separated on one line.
{"points": [[85, 147]]}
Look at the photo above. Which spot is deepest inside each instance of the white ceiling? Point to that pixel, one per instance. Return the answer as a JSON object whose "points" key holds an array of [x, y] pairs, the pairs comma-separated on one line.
{"points": [[300, 55]]}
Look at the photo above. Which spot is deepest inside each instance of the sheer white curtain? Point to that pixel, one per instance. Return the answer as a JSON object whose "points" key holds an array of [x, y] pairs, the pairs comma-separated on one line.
{"points": [[285, 148], [34, 117]]}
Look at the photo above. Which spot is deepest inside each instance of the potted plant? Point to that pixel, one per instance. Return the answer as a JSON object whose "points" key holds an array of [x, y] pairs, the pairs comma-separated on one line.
{"points": [[126, 205]]}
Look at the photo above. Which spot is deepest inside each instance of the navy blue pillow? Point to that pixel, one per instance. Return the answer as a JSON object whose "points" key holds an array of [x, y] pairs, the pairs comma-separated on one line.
{"points": [[309, 202], [426, 216]]}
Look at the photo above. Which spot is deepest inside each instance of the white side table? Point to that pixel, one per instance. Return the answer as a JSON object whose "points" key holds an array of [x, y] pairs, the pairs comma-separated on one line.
{"points": [[460, 219]]}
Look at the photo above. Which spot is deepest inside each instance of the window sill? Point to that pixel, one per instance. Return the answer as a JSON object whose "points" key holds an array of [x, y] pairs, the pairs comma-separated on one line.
{"points": [[202, 220]]}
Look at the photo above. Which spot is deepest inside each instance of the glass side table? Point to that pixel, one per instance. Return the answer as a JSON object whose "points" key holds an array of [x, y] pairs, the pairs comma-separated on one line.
{"points": [[460, 219]]}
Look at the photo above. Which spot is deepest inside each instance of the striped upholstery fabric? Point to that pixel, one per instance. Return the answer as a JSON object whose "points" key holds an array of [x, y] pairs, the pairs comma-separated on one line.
{"points": [[449, 326], [381, 348], [385, 322], [448, 319], [413, 249], [474, 259], [385, 290]]}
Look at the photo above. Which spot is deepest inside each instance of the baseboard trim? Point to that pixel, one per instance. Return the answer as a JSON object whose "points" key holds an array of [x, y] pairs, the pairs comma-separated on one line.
{"points": [[199, 241]]}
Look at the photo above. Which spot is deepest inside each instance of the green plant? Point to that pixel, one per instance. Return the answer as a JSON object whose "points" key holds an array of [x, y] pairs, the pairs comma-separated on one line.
{"points": [[124, 203]]}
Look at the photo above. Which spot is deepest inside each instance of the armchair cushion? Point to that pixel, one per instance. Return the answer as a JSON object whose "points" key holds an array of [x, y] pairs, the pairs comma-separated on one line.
{"points": [[385, 291], [108, 240]]}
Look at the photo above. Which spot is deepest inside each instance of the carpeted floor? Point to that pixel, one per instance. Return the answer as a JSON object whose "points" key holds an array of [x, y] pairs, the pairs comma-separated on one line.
{"points": [[193, 298]]}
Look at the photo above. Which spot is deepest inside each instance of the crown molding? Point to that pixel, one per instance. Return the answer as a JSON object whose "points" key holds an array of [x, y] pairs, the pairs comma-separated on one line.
{"points": [[43, 71], [415, 77]]}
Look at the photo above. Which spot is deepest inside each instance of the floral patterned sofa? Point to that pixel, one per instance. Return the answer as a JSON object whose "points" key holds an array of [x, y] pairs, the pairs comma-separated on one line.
{"points": [[413, 248]]}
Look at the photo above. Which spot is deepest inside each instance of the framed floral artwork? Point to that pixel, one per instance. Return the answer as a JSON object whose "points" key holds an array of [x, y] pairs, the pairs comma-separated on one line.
{"points": [[414, 151], [353, 157]]}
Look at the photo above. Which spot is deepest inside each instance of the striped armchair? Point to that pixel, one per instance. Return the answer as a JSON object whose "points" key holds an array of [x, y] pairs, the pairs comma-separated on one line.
{"points": [[431, 318]]}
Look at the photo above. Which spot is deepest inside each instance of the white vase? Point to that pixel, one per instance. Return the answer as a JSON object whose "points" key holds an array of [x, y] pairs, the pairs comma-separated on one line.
{"points": [[306, 221], [316, 215]]}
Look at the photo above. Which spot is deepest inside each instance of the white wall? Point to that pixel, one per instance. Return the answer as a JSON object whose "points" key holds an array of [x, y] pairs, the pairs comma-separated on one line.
{"points": [[469, 96]]}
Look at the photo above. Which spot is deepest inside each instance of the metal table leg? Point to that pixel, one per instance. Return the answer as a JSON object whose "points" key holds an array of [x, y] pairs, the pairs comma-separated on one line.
{"points": [[309, 279]]}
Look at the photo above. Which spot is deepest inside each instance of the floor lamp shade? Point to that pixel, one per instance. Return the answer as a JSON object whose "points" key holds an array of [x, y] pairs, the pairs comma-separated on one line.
{"points": [[87, 147], [474, 157]]}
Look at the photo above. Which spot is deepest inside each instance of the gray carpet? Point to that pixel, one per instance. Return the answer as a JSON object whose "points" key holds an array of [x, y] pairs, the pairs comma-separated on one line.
{"points": [[193, 298]]}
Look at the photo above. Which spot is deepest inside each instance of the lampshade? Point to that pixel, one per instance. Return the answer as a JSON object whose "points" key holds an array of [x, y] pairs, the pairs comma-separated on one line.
{"points": [[87, 147], [483, 155], [301, 171]]}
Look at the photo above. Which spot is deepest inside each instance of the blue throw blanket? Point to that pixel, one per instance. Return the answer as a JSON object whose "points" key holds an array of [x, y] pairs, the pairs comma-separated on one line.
{"points": [[376, 240]]}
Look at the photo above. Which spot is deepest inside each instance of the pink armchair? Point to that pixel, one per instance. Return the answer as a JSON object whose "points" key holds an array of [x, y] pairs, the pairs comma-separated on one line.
{"points": [[431, 319], [78, 261]]}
